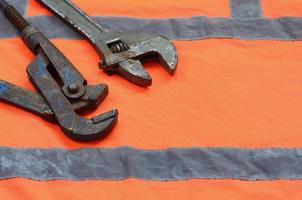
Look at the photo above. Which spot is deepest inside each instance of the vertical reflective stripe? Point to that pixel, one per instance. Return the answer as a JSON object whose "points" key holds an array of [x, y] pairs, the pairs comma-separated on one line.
{"points": [[242, 9]]}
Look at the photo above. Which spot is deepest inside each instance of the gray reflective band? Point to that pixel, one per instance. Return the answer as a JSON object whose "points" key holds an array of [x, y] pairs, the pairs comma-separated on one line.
{"points": [[246, 9], [172, 164], [6, 28], [163, 165], [179, 28], [247, 23], [21, 5]]}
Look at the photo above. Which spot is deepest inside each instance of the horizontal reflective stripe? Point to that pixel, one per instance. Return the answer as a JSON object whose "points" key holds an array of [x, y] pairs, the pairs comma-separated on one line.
{"points": [[246, 8], [178, 29], [159, 165], [253, 27]]}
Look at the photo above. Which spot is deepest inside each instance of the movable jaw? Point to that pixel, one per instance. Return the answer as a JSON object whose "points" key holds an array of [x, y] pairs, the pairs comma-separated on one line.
{"points": [[125, 53], [84, 130]]}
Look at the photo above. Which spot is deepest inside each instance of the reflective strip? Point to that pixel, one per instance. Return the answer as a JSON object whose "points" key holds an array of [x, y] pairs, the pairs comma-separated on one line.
{"points": [[161, 165], [246, 9], [288, 28], [253, 27], [20, 5], [6, 28]]}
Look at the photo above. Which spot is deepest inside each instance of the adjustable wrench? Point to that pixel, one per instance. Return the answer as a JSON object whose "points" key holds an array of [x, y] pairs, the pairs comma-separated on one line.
{"points": [[121, 52], [61, 85]]}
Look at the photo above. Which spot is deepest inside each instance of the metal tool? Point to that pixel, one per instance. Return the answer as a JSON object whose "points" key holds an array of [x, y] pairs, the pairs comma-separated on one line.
{"points": [[36, 104], [121, 52], [61, 85]]}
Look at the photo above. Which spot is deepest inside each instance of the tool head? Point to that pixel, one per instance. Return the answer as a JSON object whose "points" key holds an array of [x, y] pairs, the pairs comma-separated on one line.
{"points": [[83, 129], [73, 125], [125, 53]]}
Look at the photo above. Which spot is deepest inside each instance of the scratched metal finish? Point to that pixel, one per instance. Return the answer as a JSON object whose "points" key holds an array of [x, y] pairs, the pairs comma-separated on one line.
{"points": [[122, 53]]}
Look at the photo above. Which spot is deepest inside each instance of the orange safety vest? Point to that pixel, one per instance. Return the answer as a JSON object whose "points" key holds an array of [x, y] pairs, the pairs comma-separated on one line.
{"points": [[236, 98]]}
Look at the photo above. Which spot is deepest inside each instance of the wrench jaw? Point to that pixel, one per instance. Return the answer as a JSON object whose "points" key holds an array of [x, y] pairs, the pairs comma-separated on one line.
{"points": [[159, 49], [166, 53], [73, 125], [125, 53], [92, 99], [85, 130], [133, 71]]}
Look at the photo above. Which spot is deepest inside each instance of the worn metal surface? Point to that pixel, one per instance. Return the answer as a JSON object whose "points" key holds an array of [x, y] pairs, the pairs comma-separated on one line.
{"points": [[73, 125], [122, 53], [36, 104], [62, 86], [25, 99]]}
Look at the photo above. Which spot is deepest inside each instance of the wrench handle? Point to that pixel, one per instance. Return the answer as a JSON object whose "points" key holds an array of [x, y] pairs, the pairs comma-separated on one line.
{"points": [[25, 99], [76, 18]]}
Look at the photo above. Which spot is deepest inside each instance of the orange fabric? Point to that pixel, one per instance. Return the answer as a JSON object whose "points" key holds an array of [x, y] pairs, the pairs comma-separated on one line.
{"points": [[141, 8], [246, 98], [281, 8], [225, 93], [148, 190]]}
